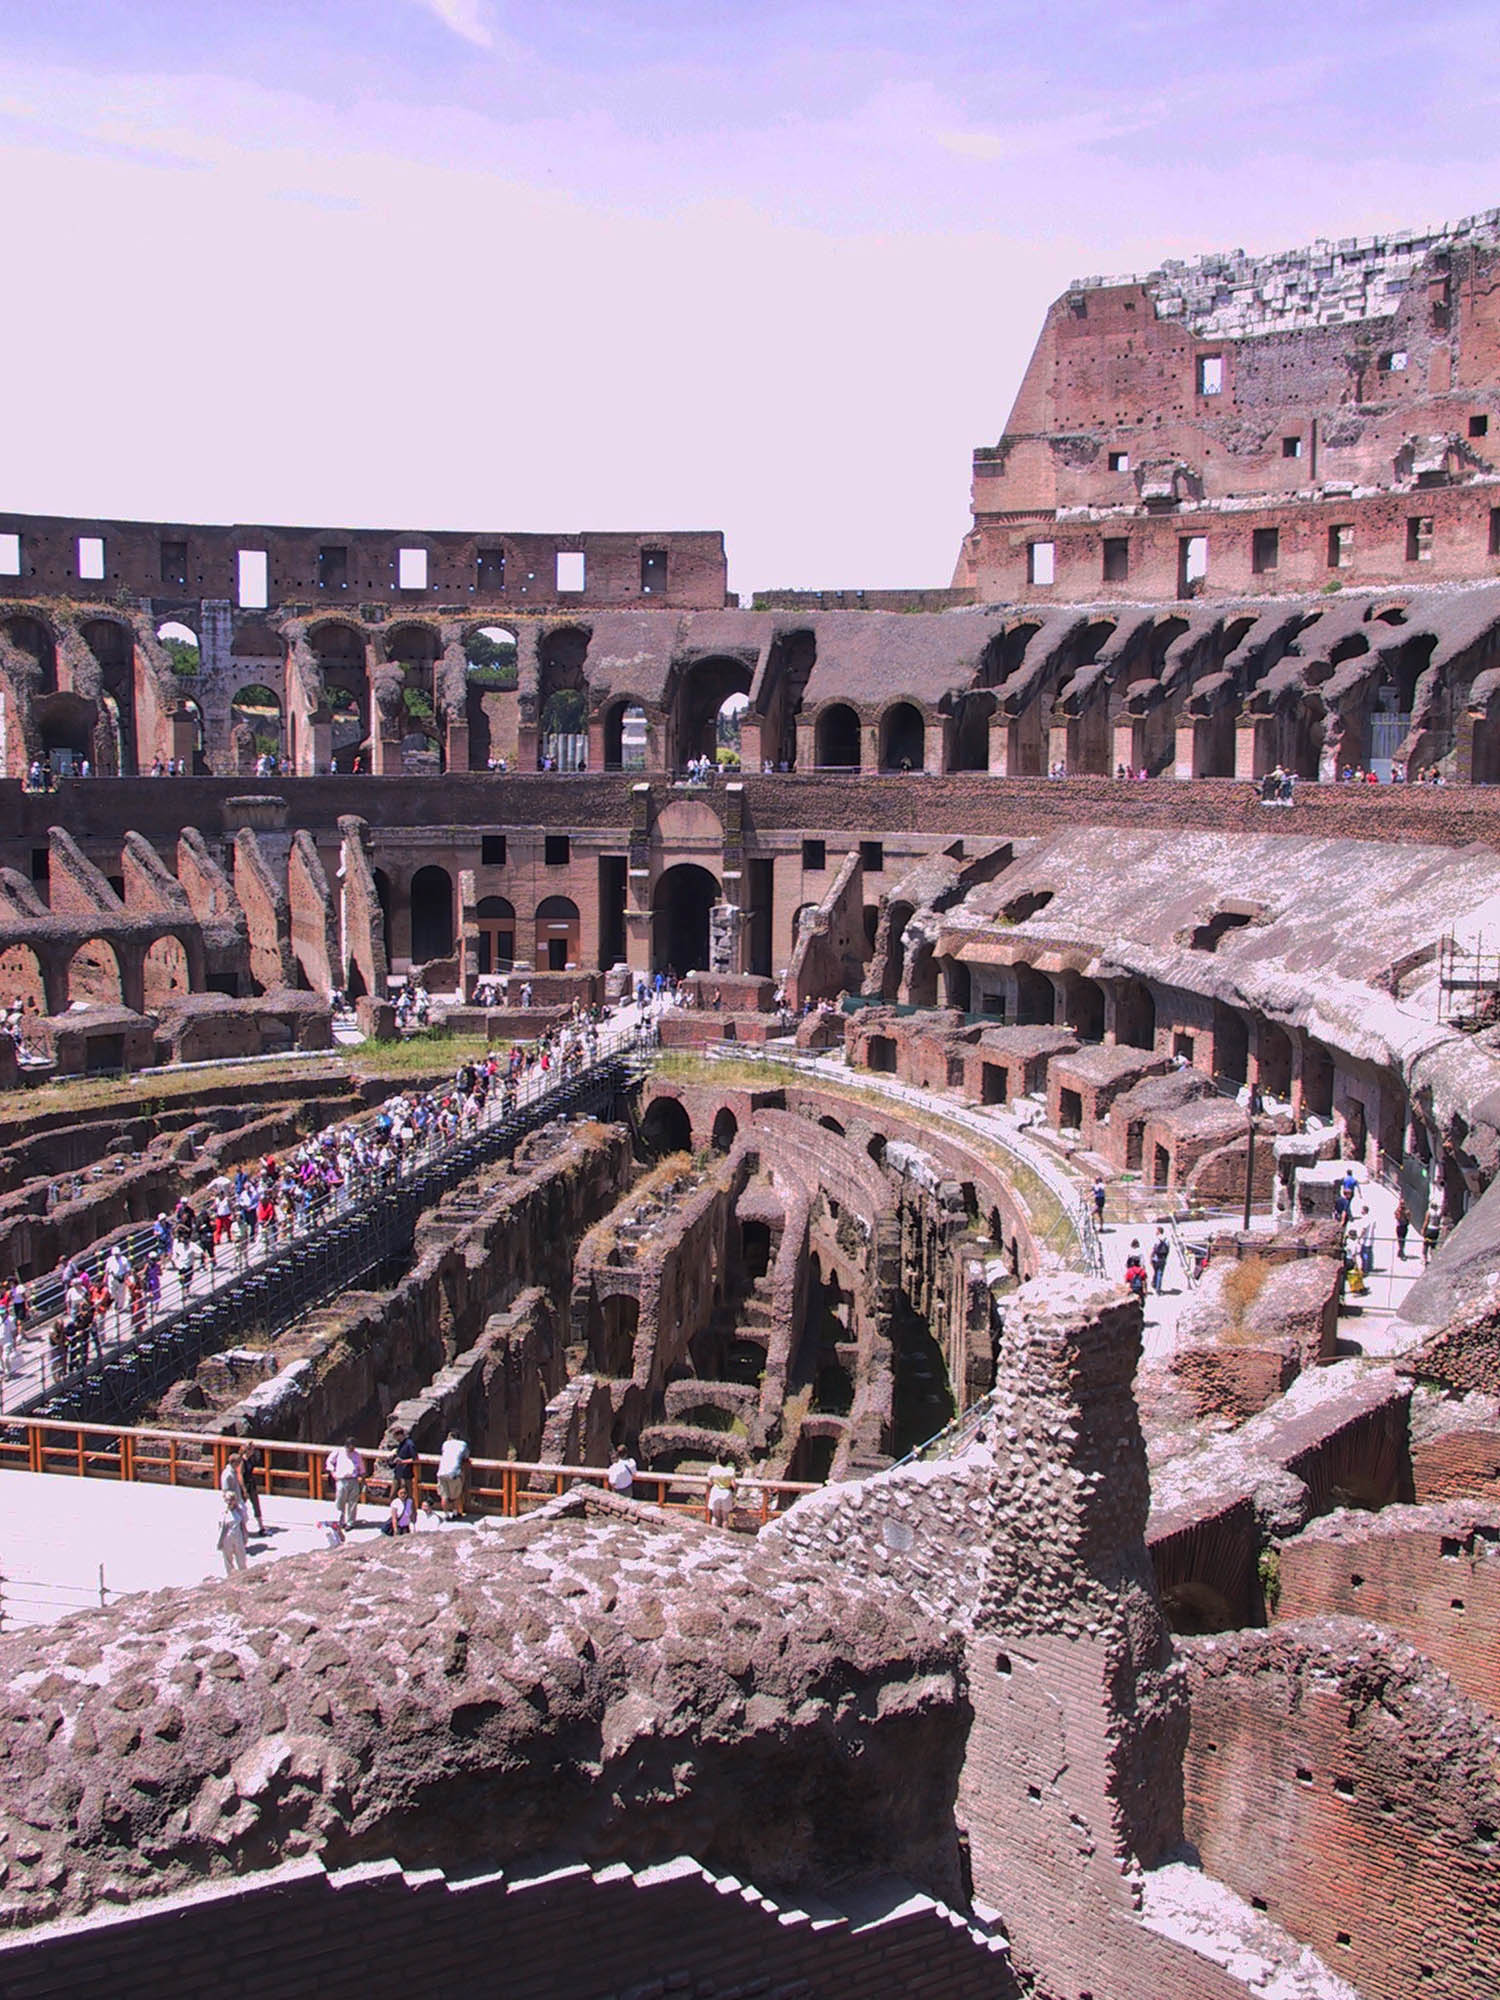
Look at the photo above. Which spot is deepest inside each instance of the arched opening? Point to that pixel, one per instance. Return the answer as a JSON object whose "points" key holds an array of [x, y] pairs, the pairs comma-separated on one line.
{"points": [[94, 975], [492, 656], [21, 978], [680, 906], [702, 694], [1317, 1080], [1036, 1000], [1135, 1015], [191, 709], [666, 1128], [958, 984], [255, 718], [755, 1244], [727, 731], [383, 891], [625, 737], [1273, 1061], [836, 741], [562, 700], [890, 978], [612, 1335], [431, 914], [903, 738], [181, 645], [166, 972], [416, 650], [556, 934], [971, 732], [65, 725], [29, 635], [1231, 1044], [496, 920], [726, 1130], [340, 653], [1085, 1013], [113, 646]]}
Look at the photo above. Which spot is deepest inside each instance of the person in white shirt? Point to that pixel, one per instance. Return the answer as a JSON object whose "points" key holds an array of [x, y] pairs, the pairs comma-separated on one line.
{"points": [[621, 1475], [346, 1469], [721, 1485], [452, 1469]]}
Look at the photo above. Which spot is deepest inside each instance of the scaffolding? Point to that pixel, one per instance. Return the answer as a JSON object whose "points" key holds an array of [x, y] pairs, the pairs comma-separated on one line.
{"points": [[1468, 981]]}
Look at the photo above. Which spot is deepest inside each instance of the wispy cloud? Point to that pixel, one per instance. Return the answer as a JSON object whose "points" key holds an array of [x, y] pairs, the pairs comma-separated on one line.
{"points": [[467, 18]]}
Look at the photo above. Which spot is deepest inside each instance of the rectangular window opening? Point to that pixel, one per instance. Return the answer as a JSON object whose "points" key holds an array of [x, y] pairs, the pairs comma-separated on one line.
{"points": [[558, 850], [491, 570], [1495, 531], [91, 558], [1419, 538], [10, 555], [1116, 558], [814, 855], [333, 569], [1119, 461], [253, 580], [174, 563], [1265, 549], [1192, 562], [1210, 375], [872, 856], [570, 570], [1041, 562], [1341, 545], [411, 569], [492, 850], [653, 572], [1291, 447], [1393, 363], [1479, 427]]}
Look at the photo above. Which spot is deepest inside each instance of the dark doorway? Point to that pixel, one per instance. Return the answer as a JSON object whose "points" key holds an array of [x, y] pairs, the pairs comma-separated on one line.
{"points": [[431, 914], [680, 907]]}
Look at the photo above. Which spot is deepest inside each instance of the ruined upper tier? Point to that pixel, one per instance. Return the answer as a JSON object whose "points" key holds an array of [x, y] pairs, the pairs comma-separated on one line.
{"points": [[1320, 416]]}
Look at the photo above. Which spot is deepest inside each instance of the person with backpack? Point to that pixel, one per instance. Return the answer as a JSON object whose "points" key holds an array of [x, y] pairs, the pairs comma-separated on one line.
{"points": [[1161, 1250], [1135, 1272]]}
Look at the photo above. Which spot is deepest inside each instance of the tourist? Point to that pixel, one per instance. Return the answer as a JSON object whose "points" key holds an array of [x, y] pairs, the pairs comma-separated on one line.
{"points": [[620, 1478], [452, 1473], [721, 1484], [1135, 1271], [251, 1461], [231, 1542], [346, 1469], [1432, 1231], [1403, 1225], [1161, 1250], [1099, 1199], [232, 1525], [404, 1462], [401, 1514]]}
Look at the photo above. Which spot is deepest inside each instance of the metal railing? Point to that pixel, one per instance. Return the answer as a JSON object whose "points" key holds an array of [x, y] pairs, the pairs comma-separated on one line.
{"points": [[348, 1237], [196, 1459], [34, 1600]]}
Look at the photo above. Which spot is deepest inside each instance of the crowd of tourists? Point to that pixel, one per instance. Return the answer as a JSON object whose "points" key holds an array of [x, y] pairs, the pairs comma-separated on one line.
{"points": [[243, 1217]]}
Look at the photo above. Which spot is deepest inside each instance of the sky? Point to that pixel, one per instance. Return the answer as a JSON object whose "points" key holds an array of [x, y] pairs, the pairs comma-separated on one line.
{"points": [[774, 268]]}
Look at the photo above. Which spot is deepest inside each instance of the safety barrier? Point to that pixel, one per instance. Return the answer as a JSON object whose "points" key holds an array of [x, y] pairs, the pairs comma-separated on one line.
{"points": [[196, 1459]]}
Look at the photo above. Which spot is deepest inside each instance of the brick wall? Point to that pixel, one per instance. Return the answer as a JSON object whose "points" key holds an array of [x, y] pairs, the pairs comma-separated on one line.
{"points": [[1429, 1574], [1336, 1777]]}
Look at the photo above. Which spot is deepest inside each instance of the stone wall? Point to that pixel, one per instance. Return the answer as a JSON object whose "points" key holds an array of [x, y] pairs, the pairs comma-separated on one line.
{"points": [[1430, 1575], [1337, 1776]]}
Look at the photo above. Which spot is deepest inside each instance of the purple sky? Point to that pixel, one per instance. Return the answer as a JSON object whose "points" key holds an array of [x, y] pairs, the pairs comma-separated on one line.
{"points": [[773, 267]]}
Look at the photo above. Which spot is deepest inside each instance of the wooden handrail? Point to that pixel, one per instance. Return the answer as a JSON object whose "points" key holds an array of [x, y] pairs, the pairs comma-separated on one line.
{"points": [[146, 1455]]}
